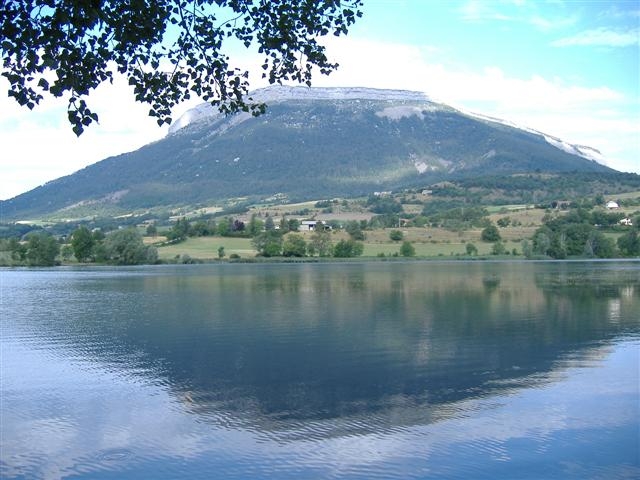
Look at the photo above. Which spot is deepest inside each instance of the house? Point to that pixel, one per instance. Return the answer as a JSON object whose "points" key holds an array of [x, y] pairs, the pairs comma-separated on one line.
{"points": [[309, 225], [312, 225], [626, 221], [611, 205]]}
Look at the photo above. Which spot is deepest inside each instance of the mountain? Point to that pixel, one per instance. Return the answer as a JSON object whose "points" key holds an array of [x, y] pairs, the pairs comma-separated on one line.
{"points": [[311, 143]]}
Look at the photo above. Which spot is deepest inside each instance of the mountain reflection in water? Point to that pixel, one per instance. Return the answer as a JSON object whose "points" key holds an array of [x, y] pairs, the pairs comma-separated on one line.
{"points": [[316, 352]]}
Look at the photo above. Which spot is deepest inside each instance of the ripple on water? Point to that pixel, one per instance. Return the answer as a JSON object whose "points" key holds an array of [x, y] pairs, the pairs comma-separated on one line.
{"points": [[114, 455]]}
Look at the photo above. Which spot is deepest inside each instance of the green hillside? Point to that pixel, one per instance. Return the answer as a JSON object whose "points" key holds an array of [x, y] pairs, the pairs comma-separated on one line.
{"points": [[304, 148]]}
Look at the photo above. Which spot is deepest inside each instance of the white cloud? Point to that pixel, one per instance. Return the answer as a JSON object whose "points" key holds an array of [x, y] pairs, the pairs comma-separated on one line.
{"points": [[477, 11], [546, 24], [516, 11], [601, 37]]}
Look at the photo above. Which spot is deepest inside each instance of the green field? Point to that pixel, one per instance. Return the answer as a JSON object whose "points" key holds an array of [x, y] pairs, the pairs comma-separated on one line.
{"points": [[623, 196], [433, 249], [206, 248]]}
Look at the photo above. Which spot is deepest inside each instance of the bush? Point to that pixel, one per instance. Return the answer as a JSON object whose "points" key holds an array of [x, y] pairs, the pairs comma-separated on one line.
{"points": [[268, 243], [354, 229], [490, 234], [471, 249], [294, 246], [396, 235], [347, 248], [498, 249], [407, 249], [629, 244]]}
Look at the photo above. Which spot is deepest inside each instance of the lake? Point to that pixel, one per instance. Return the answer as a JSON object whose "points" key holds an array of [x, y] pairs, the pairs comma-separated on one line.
{"points": [[428, 370]]}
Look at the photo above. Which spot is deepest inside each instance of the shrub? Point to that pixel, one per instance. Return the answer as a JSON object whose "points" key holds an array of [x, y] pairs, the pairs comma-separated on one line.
{"points": [[471, 249], [347, 248], [294, 246], [396, 235], [490, 234], [407, 249]]}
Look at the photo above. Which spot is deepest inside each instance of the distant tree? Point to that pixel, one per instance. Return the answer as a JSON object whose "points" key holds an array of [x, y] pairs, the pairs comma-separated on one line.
{"points": [[293, 224], [347, 248], [224, 227], [294, 246], [354, 229], [388, 220], [125, 247], [98, 235], [599, 246], [17, 249], [255, 225], [629, 244], [221, 252], [283, 225], [269, 224], [575, 237], [498, 248], [471, 249], [237, 226], [599, 217], [200, 229], [42, 250], [66, 252], [82, 242], [407, 249], [558, 247], [152, 230], [541, 242], [268, 243], [320, 243], [490, 234], [383, 205], [396, 235], [167, 49], [180, 230], [503, 222]]}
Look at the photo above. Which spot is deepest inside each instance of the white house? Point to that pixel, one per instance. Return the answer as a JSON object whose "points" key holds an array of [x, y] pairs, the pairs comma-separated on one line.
{"points": [[626, 221], [311, 225], [612, 205]]}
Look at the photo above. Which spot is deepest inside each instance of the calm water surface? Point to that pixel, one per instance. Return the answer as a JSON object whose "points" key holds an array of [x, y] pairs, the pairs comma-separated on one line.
{"points": [[379, 370]]}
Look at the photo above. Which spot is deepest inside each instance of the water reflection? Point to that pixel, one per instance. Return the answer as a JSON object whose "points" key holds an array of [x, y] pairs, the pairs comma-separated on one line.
{"points": [[363, 357]]}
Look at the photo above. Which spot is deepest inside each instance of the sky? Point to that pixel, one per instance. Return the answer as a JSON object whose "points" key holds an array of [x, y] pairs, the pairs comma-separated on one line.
{"points": [[570, 69]]}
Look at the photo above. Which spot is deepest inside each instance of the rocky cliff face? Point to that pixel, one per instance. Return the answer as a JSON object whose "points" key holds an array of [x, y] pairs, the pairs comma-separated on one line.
{"points": [[275, 94]]}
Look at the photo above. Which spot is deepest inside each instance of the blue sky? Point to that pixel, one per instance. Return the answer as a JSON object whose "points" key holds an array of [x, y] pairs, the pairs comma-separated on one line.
{"points": [[566, 68]]}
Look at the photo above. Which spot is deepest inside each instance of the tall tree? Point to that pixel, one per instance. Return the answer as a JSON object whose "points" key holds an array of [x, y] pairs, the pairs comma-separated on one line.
{"points": [[294, 246], [167, 49], [82, 242], [268, 243], [42, 250], [125, 247], [320, 242]]}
